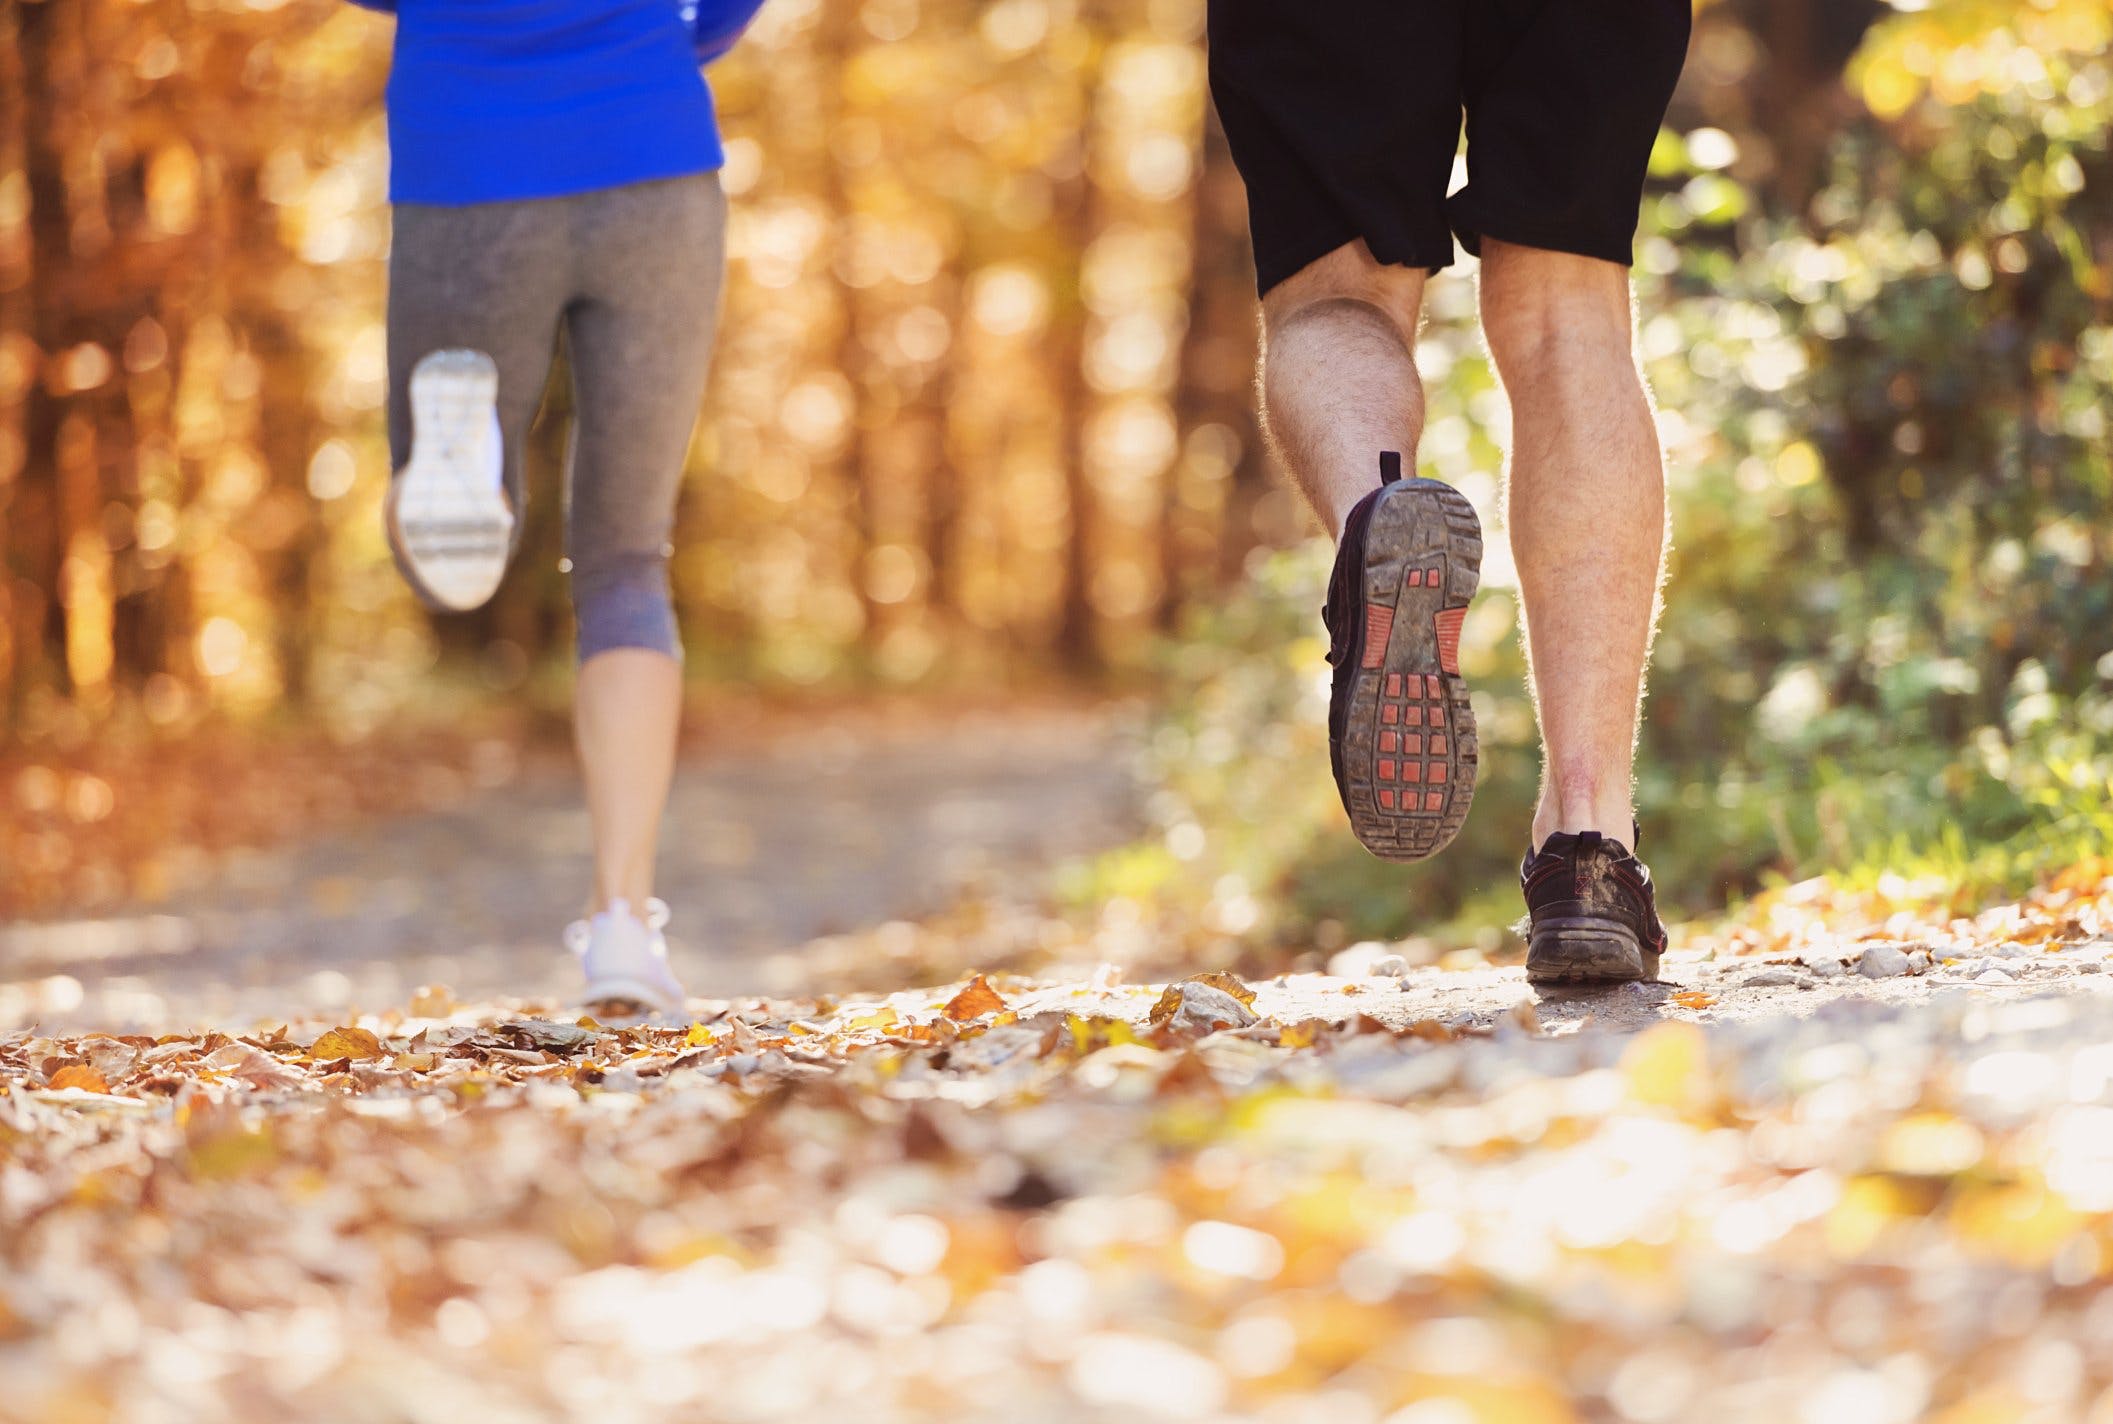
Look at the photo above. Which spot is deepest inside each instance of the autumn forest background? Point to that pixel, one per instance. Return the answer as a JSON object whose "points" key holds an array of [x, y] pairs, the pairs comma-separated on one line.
{"points": [[981, 425]]}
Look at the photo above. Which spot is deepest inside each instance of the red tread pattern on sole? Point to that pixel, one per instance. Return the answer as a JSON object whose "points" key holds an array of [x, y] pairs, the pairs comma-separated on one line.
{"points": [[1379, 626], [1448, 627]]}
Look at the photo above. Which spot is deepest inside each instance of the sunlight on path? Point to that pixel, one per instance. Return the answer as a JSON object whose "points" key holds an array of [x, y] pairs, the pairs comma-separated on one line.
{"points": [[764, 850]]}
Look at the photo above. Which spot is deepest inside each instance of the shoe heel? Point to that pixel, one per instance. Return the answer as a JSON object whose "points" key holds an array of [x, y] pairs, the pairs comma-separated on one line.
{"points": [[1585, 950]]}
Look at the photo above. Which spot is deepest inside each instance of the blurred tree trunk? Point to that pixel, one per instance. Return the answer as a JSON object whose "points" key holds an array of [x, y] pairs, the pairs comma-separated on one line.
{"points": [[1076, 213], [1206, 529], [50, 92], [15, 320], [1792, 95]]}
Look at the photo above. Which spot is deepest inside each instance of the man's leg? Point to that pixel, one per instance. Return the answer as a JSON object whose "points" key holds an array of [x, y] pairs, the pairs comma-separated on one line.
{"points": [[1586, 509], [1344, 408], [1339, 378]]}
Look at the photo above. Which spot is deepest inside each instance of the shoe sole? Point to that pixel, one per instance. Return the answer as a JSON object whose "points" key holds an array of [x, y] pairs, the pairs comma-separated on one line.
{"points": [[449, 521], [1586, 950], [1409, 751]]}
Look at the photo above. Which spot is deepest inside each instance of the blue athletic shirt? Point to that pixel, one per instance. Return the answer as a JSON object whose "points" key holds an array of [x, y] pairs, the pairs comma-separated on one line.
{"points": [[496, 100]]}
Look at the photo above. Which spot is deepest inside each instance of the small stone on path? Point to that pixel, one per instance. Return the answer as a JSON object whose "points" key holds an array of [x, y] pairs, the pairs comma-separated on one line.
{"points": [[1882, 961], [1774, 977]]}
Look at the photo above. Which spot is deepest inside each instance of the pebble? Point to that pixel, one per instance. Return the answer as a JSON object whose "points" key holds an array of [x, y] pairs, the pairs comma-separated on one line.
{"points": [[1389, 966], [1919, 961], [1882, 961], [2091, 966], [2009, 950], [1826, 966], [1994, 976], [1774, 977]]}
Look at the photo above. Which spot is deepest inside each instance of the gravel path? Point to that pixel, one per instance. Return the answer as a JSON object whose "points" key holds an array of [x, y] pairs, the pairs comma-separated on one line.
{"points": [[847, 826]]}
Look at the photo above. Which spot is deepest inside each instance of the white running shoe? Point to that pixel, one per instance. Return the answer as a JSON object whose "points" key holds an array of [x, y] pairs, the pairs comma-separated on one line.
{"points": [[626, 958], [450, 518]]}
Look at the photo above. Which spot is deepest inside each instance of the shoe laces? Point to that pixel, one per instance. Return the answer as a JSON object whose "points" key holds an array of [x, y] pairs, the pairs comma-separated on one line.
{"points": [[579, 935]]}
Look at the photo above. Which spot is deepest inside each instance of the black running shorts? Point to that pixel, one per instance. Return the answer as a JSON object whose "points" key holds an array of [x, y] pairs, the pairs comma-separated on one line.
{"points": [[1344, 116]]}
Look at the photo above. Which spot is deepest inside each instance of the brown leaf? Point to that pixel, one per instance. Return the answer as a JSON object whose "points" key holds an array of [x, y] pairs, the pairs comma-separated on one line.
{"points": [[1230, 983], [79, 1075], [974, 1001], [1171, 1000], [1199, 1003], [114, 1060], [353, 1043]]}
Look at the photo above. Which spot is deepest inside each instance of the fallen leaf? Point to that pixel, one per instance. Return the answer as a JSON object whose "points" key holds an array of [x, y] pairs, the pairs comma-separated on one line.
{"points": [[1200, 1004], [253, 1066], [561, 1037], [974, 1001], [80, 1075], [1228, 983], [698, 1037], [1302, 1034], [354, 1043], [1694, 999]]}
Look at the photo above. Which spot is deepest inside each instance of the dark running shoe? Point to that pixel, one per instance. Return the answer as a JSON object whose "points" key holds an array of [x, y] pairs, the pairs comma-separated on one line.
{"points": [[1400, 734], [1592, 911]]}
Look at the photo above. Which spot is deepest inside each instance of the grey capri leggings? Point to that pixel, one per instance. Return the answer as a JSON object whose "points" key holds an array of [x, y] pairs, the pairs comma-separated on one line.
{"points": [[632, 274]]}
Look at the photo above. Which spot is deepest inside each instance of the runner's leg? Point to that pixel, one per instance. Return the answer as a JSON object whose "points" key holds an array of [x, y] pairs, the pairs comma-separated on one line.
{"points": [[489, 277], [1586, 510], [651, 257], [1339, 381]]}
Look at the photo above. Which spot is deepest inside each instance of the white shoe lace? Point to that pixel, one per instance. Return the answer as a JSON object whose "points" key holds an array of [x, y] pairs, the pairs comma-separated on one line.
{"points": [[579, 935]]}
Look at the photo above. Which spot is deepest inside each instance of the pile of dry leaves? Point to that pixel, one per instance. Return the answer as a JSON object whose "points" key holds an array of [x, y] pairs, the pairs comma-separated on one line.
{"points": [[1302, 1200]]}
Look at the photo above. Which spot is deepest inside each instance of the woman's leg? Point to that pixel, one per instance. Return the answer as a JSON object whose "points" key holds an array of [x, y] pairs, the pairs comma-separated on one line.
{"points": [[489, 277], [641, 332]]}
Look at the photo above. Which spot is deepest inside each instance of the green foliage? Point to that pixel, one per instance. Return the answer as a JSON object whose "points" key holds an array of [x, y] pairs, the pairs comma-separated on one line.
{"points": [[1886, 637]]}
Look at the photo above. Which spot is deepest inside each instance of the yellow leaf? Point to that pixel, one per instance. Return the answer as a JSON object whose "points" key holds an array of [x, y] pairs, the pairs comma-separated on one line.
{"points": [[1301, 1034], [974, 1001], [1694, 999], [79, 1075], [698, 1037], [1667, 1065], [354, 1043], [883, 1017]]}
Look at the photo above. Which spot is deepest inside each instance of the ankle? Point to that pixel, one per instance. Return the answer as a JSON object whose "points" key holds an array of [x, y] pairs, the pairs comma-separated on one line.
{"points": [[1612, 817], [631, 900], [1338, 513]]}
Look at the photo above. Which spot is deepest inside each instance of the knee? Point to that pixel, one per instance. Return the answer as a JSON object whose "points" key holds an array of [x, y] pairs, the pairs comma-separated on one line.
{"points": [[622, 601], [1348, 279], [1544, 313]]}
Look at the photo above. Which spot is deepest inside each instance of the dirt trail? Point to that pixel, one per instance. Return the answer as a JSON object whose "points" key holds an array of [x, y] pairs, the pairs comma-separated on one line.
{"points": [[766, 847]]}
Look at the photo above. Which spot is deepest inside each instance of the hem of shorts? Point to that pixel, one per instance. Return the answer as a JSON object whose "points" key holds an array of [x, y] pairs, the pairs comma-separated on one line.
{"points": [[1276, 272], [1470, 232]]}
